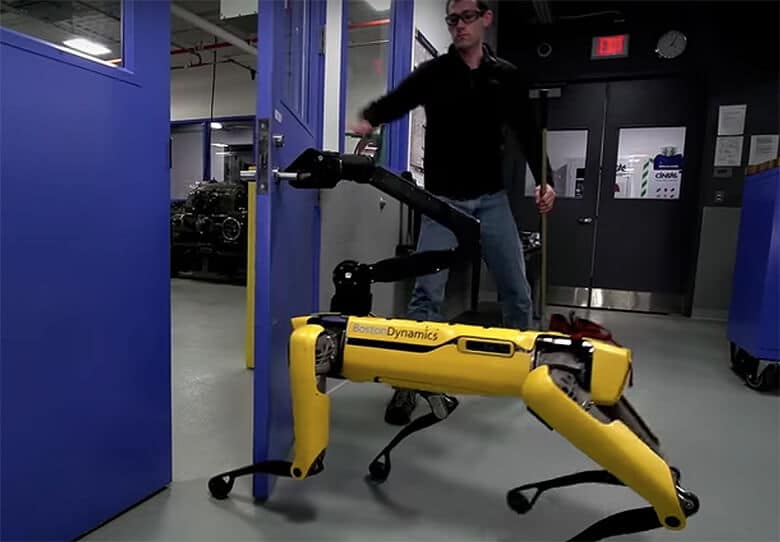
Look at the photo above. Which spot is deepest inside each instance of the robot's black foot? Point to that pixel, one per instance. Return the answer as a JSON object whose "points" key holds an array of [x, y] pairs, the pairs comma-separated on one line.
{"points": [[220, 487], [518, 502], [379, 469], [441, 407], [625, 522], [221, 484]]}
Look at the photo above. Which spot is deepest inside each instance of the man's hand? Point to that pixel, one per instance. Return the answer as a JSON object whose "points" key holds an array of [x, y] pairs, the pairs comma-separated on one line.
{"points": [[545, 202], [362, 127]]}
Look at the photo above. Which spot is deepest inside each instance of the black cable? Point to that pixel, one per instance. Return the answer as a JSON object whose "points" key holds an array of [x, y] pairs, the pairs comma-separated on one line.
{"points": [[213, 83]]}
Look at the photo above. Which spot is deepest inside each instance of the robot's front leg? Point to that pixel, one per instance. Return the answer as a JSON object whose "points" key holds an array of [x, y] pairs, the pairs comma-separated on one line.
{"points": [[580, 397], [313, 353], [441, 407]]}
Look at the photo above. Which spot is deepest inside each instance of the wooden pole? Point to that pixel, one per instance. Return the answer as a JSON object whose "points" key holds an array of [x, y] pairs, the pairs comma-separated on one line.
{"points": [[543, 184]]}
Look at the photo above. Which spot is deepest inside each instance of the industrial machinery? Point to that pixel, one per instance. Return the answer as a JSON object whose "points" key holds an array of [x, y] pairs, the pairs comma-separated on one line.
{"points": [[573, 385], [208, 231]]}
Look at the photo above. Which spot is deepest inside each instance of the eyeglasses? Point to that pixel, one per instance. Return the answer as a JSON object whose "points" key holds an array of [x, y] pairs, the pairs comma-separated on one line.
{"points": [[467, 17]]}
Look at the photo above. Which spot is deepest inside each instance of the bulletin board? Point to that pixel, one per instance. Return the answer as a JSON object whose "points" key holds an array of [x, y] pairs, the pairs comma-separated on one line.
{"points": [[423, 51]]}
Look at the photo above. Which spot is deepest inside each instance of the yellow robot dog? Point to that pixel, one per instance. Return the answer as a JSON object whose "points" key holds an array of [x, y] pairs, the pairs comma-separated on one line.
{"points": [[574, 386]]}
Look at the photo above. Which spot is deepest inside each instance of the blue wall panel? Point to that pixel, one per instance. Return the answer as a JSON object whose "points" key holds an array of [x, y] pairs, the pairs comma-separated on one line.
{"points": [[84, 284]]}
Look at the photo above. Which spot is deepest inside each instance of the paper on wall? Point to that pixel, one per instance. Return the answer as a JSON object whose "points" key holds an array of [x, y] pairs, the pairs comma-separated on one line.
{"points": [[650, 163], [728, 151], [731, 119], [763, 148]]}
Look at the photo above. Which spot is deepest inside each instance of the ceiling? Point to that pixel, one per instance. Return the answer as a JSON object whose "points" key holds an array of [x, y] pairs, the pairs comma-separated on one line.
{"points": [[99, 21], [56, 22]]}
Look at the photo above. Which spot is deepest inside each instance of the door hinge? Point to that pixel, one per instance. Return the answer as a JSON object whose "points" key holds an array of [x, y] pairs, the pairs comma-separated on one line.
{"points": [[322, 40]]}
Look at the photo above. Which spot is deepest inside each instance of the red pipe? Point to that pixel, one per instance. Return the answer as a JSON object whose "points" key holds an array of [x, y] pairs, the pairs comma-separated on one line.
{"points": [[369, 24]]}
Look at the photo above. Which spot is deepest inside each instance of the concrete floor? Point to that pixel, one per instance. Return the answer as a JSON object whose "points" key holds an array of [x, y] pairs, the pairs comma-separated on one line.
{"points": [[450, 482]]}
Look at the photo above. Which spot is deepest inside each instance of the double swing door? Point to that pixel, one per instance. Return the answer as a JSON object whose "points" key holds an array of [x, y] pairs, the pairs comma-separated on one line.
{"points": [[621, 233]]}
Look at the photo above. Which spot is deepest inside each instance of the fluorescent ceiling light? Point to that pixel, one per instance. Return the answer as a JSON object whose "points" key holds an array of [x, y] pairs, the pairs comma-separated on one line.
{"points": [[216, 125], [86, 46], [220, 145], [379, 5]]}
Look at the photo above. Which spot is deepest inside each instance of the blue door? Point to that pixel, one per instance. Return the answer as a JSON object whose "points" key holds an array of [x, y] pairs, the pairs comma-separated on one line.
{"points": [[84, 287], [289, 112]]}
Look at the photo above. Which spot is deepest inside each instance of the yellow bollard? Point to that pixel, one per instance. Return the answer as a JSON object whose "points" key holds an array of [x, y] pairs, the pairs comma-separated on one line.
{"points": [[249, 341]]}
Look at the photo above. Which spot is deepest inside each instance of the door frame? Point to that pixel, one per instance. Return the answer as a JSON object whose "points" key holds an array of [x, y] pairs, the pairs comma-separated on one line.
{"points": [[399, 67]]}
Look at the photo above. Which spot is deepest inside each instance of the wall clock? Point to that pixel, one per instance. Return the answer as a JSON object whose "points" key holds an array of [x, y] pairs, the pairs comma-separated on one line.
{"points": [[671, 45]]}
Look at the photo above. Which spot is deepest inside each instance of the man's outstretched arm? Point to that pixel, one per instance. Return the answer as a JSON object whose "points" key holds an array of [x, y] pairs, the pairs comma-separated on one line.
{"points": [[402, 99]]}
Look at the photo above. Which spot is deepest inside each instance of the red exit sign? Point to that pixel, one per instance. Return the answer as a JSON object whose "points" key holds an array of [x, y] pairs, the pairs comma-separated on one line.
{"points": [[610, 46]]}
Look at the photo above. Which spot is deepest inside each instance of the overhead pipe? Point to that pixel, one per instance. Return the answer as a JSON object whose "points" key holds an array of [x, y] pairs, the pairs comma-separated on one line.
{"points": [[212, 29], [220, 45], [369, 24], [223, 44], [201, 64]]}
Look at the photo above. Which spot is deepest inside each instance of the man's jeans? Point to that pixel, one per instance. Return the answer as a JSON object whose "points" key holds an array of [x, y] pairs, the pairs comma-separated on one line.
{"points": [[502, 251]]}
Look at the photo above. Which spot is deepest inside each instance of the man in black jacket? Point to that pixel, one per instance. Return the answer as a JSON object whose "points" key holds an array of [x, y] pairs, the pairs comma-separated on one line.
{"points": [[470, 98]]}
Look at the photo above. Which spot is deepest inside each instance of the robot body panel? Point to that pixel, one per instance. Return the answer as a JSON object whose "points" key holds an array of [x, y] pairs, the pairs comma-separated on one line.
{"points": [[437, 357], [610, 372]]}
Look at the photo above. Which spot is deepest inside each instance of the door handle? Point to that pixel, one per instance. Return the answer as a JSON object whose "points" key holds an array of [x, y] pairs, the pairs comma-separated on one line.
{"points": [[283, 176], [585, 220], [280, 176]]}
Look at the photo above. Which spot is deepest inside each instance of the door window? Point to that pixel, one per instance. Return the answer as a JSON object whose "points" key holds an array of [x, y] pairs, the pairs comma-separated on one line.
{"points": [[296, 59], [567, 150], [232, 152], [88, 28], [649, 163], [186, 158], [368, 50]]}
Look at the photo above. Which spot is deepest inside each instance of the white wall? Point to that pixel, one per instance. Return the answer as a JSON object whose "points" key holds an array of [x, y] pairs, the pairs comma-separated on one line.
{"points": [[235, 92], [332, 113], [186, 159], [234, 136], [429, 20]]}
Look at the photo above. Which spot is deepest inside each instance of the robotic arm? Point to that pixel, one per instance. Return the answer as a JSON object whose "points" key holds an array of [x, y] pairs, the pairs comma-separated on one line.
{"points": [[315, 169], [573, 386]]}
